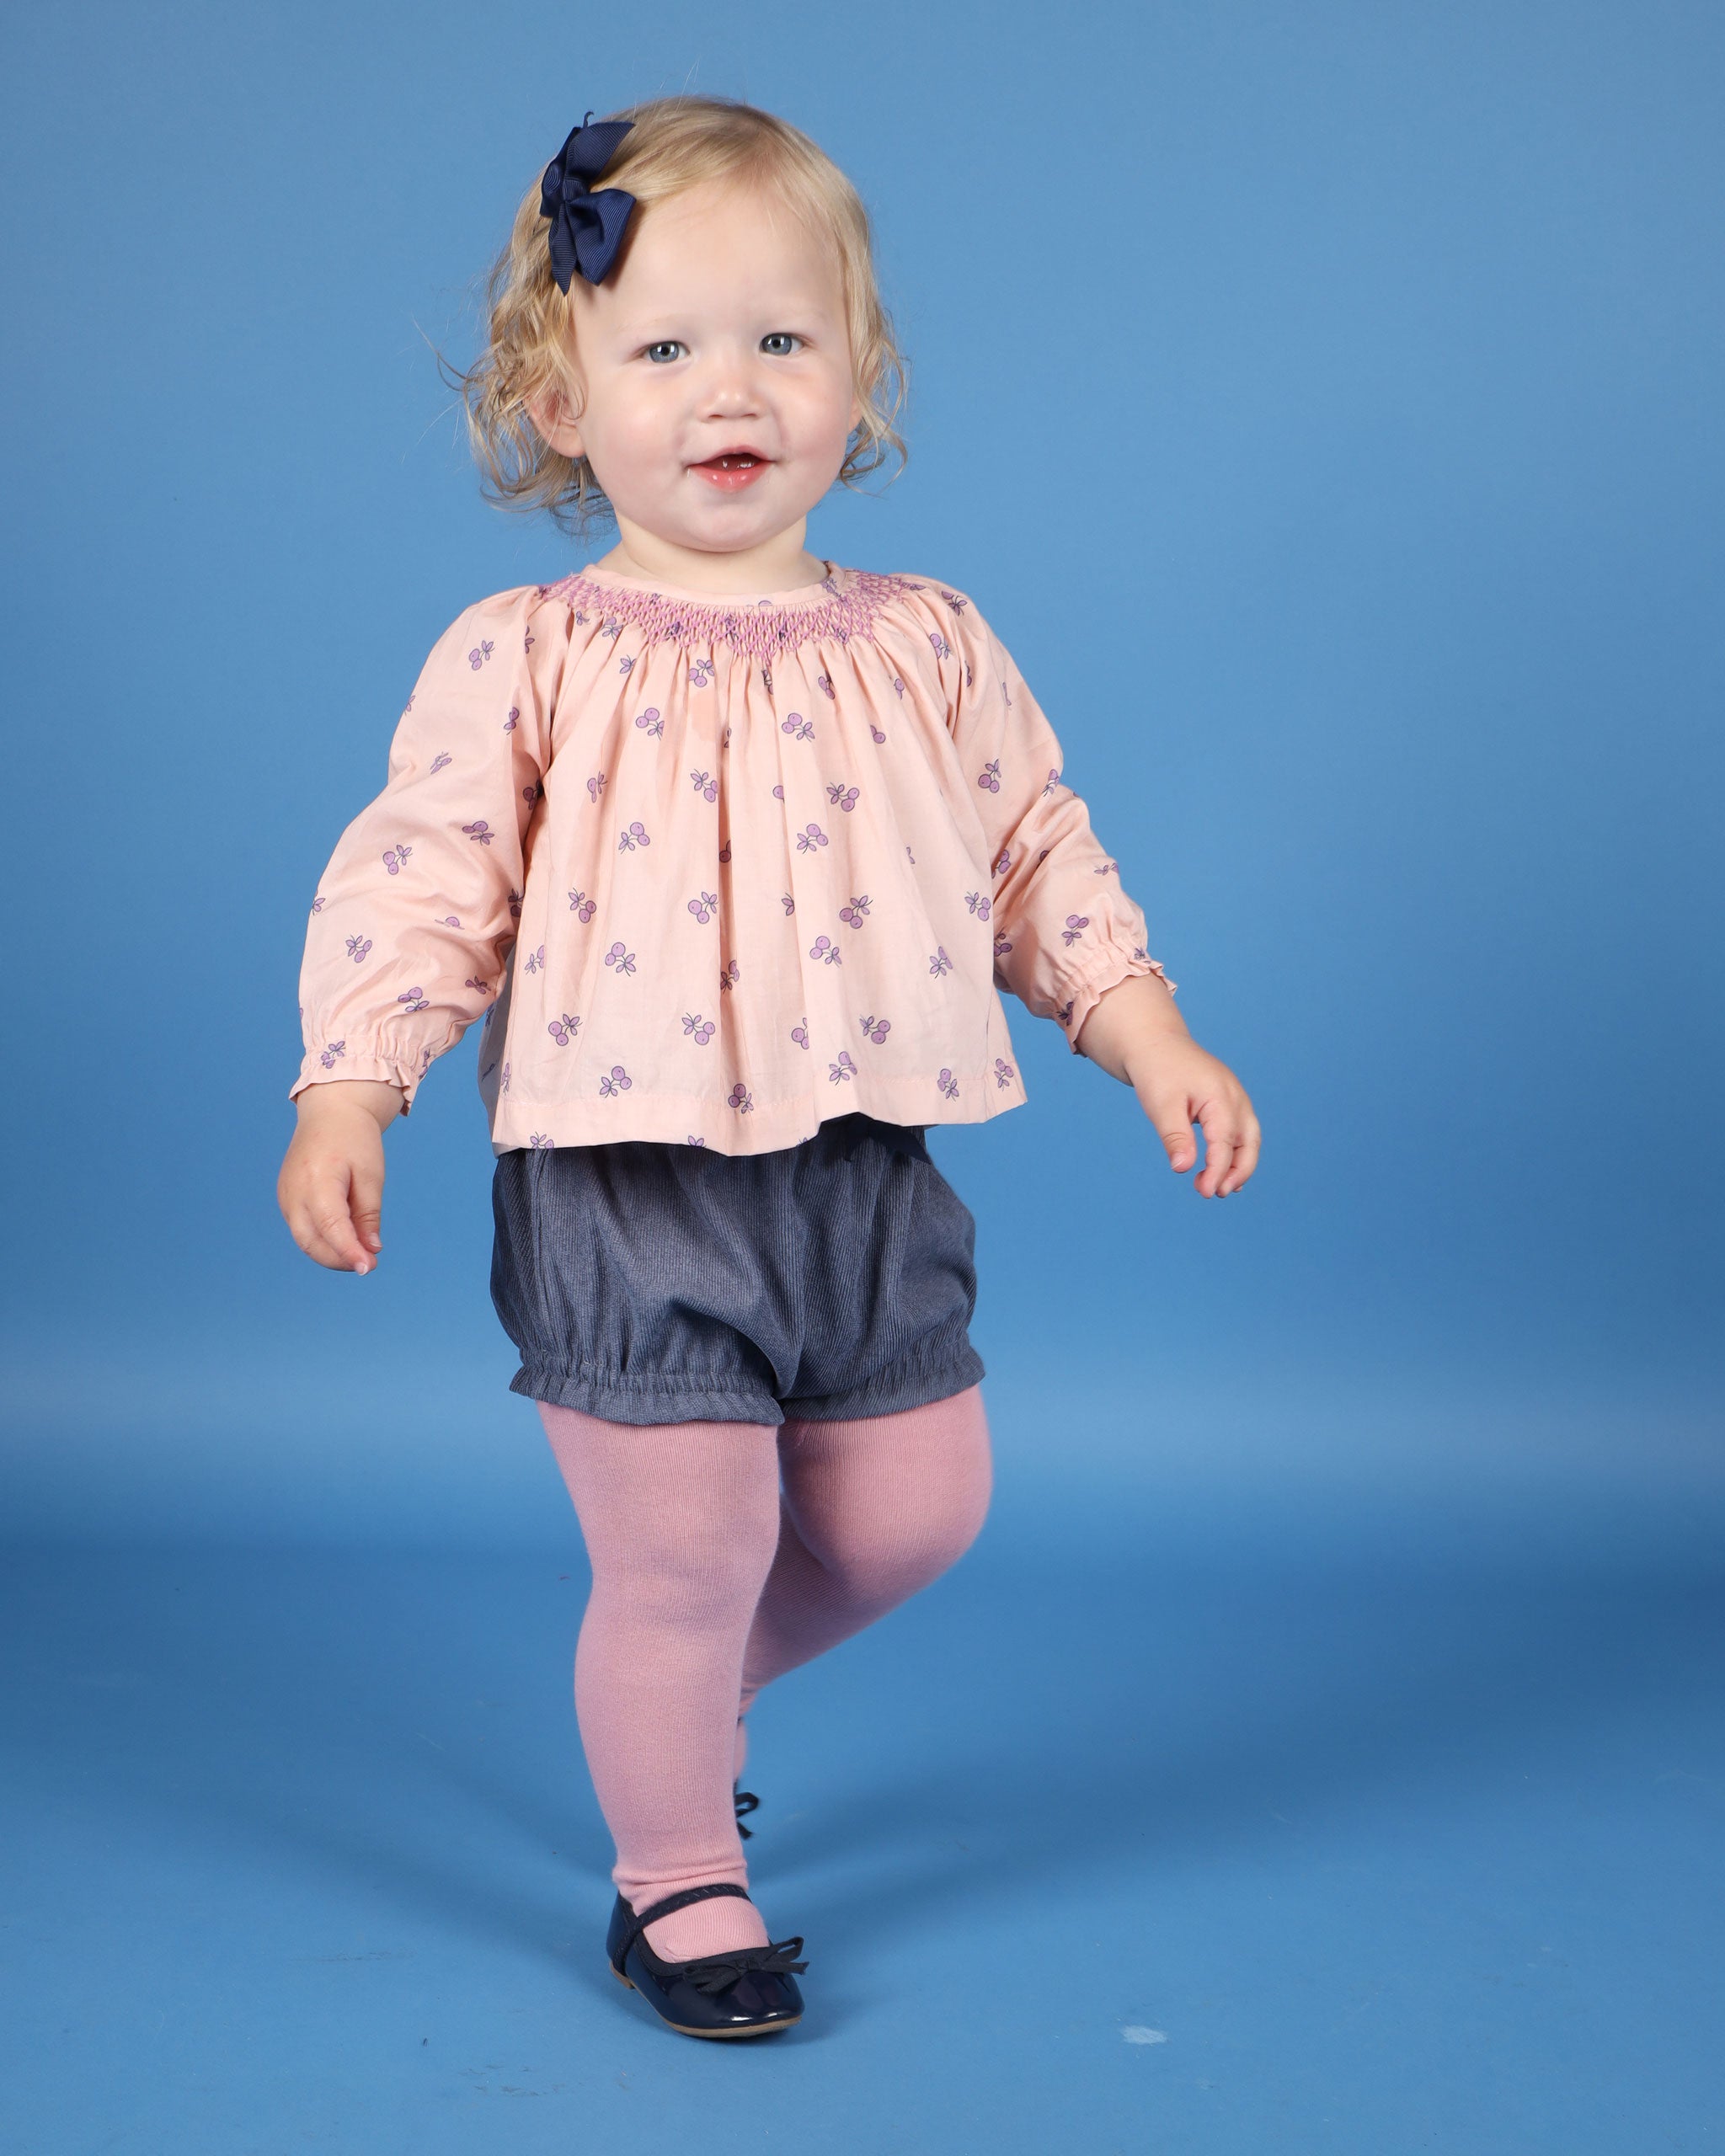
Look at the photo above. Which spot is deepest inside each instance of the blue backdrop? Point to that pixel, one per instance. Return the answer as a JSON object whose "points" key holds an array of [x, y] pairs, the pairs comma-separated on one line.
{"points": [[1320, 1752], [1322, 402]]}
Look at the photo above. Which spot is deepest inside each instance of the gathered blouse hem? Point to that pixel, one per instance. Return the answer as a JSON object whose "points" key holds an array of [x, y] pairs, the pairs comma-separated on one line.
{"points": [[659, 1117]]}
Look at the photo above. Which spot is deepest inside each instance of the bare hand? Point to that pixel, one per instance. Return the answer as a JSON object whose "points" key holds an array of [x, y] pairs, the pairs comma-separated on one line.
{"points": [[330, 1189], [1136, 1034]]}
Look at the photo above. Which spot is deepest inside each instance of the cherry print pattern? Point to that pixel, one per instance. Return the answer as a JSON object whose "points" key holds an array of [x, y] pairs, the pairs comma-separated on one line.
{"points": [[1029, 928]]}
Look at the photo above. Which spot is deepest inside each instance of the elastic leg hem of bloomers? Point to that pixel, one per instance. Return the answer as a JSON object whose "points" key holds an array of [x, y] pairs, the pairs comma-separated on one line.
{"points": [[614, 1397]]}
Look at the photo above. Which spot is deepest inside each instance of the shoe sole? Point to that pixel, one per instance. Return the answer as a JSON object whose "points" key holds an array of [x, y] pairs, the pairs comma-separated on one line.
{"points": [[762, 2029]]}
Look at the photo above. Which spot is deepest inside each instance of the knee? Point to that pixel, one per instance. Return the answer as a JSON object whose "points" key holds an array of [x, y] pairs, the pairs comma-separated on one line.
{"points": [[883, 1556]]}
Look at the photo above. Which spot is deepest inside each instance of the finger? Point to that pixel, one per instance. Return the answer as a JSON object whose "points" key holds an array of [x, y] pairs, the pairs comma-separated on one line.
{"points": [[330, 1208], [1220, 1136], [1246, 1155], [1173, 1126], [366, 1205]]}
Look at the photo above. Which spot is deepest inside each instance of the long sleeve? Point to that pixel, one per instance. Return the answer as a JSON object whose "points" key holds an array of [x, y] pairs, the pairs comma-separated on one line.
{"points": [[416, 912], [1064, 930]]}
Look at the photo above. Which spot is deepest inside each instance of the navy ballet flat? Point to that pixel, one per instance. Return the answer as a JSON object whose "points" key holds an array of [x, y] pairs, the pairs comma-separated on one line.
{"points": [[747, 1991], [745, 1801]]}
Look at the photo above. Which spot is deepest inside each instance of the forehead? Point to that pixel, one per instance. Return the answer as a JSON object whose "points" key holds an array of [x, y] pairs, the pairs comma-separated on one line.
{"points": [[724, 240]]}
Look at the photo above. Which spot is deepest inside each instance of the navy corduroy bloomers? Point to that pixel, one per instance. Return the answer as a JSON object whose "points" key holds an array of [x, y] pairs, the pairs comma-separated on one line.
{"points": [[651, 1283]]}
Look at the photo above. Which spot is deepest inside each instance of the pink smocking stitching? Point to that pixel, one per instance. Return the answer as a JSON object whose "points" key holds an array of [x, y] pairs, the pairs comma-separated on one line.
{"points": [[759, 632]]}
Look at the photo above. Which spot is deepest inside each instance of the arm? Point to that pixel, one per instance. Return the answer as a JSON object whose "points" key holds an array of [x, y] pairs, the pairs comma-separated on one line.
{"points": [[414, 916], [1069, 942]]}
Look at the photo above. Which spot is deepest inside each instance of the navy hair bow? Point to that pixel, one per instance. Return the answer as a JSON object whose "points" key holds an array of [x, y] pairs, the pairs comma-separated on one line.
{"points": [[586, 229]]}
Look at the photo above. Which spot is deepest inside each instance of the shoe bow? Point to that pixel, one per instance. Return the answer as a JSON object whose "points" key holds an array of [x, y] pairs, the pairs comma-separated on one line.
{"points": [[716, 1972]]}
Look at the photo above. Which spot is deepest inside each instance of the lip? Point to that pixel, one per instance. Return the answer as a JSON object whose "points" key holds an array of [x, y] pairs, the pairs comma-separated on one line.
{"points": [[734, 480]]}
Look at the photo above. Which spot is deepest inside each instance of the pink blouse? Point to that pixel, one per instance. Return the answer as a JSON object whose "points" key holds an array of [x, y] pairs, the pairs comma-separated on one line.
{"points": [[711, 871]]}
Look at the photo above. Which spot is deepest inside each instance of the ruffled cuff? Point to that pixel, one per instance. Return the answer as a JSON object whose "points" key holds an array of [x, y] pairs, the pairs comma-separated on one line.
{"points": [[349, 1059], [1111, 967]]}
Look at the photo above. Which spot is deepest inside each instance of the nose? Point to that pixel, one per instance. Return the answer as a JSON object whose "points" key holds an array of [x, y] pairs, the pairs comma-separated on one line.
{"points": [[732, 387]]}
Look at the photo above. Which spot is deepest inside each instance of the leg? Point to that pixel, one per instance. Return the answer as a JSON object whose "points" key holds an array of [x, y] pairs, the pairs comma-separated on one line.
{"points": [[872, 1511], [680, 1522]]}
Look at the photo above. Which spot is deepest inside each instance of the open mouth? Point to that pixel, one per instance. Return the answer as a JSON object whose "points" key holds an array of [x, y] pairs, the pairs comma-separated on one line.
{"points": [[732, 469]]}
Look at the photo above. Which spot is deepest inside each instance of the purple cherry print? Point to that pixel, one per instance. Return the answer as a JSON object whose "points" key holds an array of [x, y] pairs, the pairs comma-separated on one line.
{"points": [[949, 1085], [635, 835], [581, 905], [844, 1069], [624, 960], [700, 1027], [616, 1081], [480, 832], [1076, 923], [703, 905], [989, 778], [358, 948]]}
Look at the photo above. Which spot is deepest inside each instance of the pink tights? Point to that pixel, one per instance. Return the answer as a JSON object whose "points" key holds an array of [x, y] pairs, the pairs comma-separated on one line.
{"points": [[709, 1580]]}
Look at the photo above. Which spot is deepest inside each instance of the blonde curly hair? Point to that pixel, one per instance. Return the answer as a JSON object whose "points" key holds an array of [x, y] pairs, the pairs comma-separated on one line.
{"points": [[675, 143]]}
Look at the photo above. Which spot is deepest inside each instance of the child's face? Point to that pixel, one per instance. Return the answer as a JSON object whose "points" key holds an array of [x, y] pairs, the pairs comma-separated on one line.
{"points": [[722, 328]]}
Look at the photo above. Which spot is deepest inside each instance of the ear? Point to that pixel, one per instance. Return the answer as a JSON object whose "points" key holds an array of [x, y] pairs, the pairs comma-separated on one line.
{"points": [[549, 411]]}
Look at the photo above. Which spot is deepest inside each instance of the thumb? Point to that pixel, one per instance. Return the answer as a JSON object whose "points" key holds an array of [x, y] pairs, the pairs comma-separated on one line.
{"points": [[366, 1205], [1171, 1113]]}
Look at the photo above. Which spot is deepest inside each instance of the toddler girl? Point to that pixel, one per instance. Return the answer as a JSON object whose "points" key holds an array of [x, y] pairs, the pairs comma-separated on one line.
{"points": [[730, 849]]}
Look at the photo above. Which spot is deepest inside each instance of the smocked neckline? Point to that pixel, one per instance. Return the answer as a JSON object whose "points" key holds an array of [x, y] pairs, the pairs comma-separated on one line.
{"points": [[804, 594]]}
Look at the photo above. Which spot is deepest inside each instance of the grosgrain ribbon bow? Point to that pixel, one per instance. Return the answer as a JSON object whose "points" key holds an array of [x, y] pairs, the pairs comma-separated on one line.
{"points": [[586, 229], [716, 1972]]}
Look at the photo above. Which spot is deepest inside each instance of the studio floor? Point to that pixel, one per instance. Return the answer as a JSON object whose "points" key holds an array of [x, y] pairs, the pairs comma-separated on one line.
{"points": [[1162, 1825]]}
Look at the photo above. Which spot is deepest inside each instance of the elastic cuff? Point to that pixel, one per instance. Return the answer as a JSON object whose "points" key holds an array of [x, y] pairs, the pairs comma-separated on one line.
{"points": [[344, 1063], [1084, 999]]}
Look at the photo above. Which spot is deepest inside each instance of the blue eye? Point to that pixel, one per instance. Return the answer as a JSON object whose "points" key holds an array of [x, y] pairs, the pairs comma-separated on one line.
{"points": [[780, 336], [665, 344]]}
